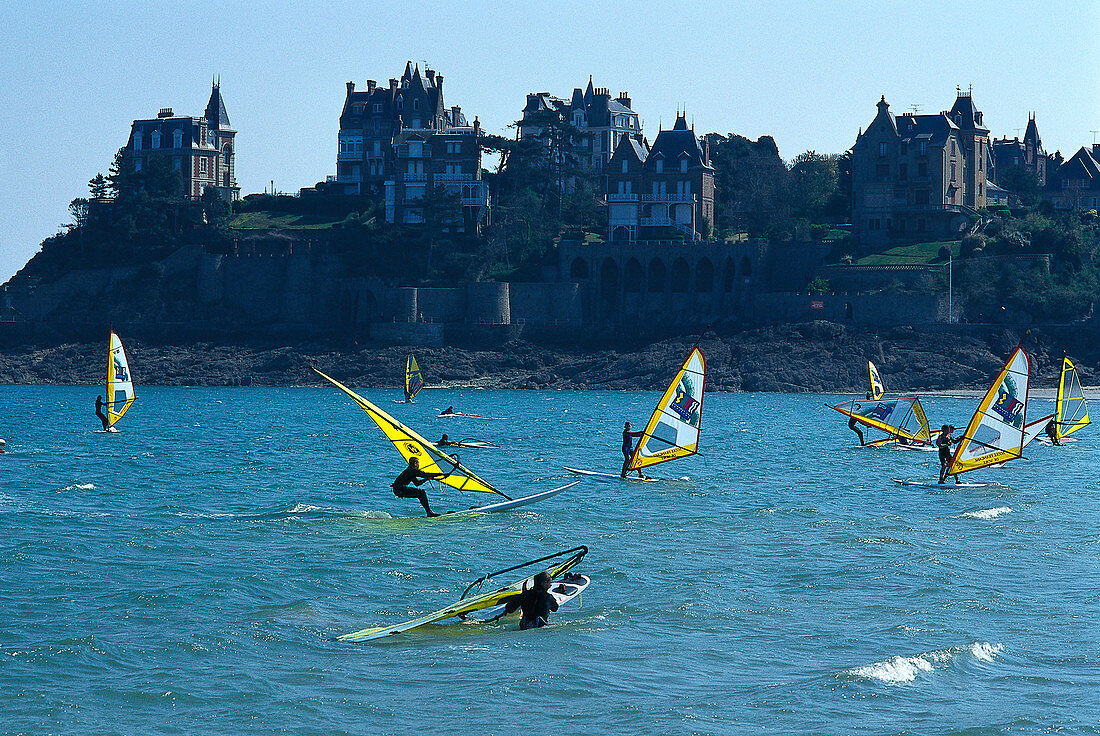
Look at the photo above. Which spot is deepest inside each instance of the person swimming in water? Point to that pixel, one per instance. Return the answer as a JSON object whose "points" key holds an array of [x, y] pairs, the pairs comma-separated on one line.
{"points": [[99, 413], [447, 411], [628, 449], [413, 474], [445, 441], [536, 603]]}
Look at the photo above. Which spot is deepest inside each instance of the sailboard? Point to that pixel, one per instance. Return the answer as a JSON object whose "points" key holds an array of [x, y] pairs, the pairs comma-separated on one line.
{"points": [[413, 380], [461, 414], [934, 484], [877, 389], [478, 601], [902, 417], [597, 475], [1070, 411], [467, 444], [120, 384], [995, 433], [432, 460]]}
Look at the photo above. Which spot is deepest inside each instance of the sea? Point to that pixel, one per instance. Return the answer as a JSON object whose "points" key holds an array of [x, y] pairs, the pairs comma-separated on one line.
{"points": [[190, 574]]}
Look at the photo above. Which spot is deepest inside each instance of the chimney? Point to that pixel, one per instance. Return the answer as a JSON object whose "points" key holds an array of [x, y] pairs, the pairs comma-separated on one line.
{"points": [[477, 127], [351, 87], [371, 85], [624, 99], [1095, 150], [430, 74], [165, 112], [393, 83], [439, 82], [456, 115]]}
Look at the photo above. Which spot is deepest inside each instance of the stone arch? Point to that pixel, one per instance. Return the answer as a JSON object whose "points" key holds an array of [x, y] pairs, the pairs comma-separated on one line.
{"points": [[704, 275], [746, 266], [632, 276], [657, 273], [729, 275], [679, 277], [578, 270]]}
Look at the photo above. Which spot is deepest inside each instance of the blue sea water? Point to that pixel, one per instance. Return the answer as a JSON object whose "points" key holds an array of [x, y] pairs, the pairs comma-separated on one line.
{"points": [[189, 574]]}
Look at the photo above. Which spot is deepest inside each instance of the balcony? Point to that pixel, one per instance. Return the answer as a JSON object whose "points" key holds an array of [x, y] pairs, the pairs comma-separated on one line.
{"points": [[456, 178], [684, 197], [661, 221], [349, 156], [418, 176], [403, 151], [616, 197]]}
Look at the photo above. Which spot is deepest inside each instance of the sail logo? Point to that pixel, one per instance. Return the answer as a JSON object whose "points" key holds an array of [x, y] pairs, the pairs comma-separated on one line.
{"points": [[413, 448], [685, 405], [120, 370], [881, 411], [1007, 406]]}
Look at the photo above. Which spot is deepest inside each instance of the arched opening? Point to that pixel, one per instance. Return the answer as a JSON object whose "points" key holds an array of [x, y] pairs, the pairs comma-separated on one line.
{"points": [[578, 270], [728, 276], [632, 276], [704, 276], [656, 276], [680, 276], [746, 266], [620, 233]]}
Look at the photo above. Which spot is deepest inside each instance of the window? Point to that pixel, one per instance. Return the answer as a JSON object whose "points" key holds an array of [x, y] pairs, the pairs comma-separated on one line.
{"points": [[137, 140], [454, 146], [952, 146], [683, 165], [882, 172], [227, 155], [626, 166], [137, 164], [378, 107], [177, 163], [177, 139], [202, 165], [155, 139], [416, 104], [903, 148], [952, 171], [924, 148], [659, 166], [882, 150]]}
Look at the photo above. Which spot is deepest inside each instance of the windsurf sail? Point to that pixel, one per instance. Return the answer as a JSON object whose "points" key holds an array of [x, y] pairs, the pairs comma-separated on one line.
{"points": [[120, 384], [1071, 413], [469, 603], [996, 431], [413, 380], [902, 417], [1036, 428], [673, 428], [877, 389], [410, 444]]}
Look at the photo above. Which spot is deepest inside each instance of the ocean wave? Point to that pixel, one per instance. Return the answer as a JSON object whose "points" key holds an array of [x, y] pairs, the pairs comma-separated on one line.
{"points": [[903, 669], [988, 513], [79, 487], [303, 508]]}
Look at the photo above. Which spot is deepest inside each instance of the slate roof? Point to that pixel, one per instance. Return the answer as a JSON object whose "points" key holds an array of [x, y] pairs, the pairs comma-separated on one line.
{"points": [[671, 144], [1083, 165], [216, 116]]}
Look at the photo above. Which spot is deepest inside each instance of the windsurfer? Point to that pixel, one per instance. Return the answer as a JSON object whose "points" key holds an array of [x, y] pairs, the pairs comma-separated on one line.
{"points": [[943, 443], [1052, 432], [2, 443], [855, 428], [413, 474], [99, 413], [448, 411], [628, 449], [445, 441], [536, 602]]}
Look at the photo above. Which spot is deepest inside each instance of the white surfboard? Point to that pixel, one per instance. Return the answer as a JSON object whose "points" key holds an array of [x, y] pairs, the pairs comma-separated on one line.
{"points": [[564, 590], [932, 484], [510, 504], [597, 475]]}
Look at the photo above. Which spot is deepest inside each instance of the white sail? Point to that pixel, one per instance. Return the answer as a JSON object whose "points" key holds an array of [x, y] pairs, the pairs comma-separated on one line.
{"points": [[120, 384], [673, 429], [996, 431]]}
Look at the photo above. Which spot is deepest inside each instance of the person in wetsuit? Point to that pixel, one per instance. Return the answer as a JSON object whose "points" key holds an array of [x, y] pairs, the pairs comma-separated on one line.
{"points": [[628, 449], [1052, 432], [413, 474], [855, 428], [99, 412], [943, 443], [445, 441], [536, 603], [448, 410]]}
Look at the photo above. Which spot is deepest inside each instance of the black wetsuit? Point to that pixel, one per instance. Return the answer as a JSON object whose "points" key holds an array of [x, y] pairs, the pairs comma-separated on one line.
{"points": [[99, 412], [1052, 432], [855, 428], [402, 489], [943, 442], [536, 605], [628, 449]]}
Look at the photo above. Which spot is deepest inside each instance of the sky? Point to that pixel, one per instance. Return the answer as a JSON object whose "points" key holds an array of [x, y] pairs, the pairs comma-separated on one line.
{"points": [[806, 73]]}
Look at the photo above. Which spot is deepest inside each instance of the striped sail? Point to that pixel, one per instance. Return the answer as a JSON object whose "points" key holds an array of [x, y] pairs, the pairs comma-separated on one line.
{"points": [[877, 389], [120, 384], [673, 428], [410, 444], [1071, 412], [996, 432], [413, 380]]}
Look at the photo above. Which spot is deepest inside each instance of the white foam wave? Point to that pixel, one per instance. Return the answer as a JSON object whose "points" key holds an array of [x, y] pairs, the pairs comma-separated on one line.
{"points": [[79, 487], [902, 669], [988, 513], [376, 515], [303, 508]]}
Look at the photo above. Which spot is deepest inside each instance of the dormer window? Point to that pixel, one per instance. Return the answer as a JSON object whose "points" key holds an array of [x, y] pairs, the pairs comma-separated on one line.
{"points": [[155, 139], [626, 166], [177, 139], [416, 104], [683, 165], [137, 141], [659, 165], [882, 149], [378, 107], [400, 102]]}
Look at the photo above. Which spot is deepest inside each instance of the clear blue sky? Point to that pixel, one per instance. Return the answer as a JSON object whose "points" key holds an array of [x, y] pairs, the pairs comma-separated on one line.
{"points": [[808, 74]]}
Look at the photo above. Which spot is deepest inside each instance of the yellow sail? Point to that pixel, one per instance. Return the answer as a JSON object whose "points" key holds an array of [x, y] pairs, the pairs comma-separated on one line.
{"points": [[903, 417], [877, 389], [673, 428], [410, 444], [413, 380], [120, 384], [1071, 413], [996, 432]]}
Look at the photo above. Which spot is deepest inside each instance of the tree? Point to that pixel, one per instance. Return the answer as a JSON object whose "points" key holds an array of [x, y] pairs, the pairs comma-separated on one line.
{"points": [[1022, 182], [814, 185]]}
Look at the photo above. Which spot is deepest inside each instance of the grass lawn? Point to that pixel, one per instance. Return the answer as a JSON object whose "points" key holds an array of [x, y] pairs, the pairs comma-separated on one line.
{"points": [[269, 220], [915, 254]]}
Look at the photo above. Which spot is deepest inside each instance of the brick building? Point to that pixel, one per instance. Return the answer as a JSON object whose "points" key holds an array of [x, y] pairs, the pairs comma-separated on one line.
{"points": [[661, 191], [1075, 185], [1027, 154], [919, 176], [201, 149]]}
